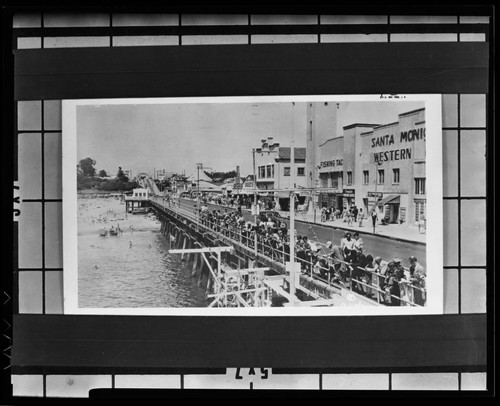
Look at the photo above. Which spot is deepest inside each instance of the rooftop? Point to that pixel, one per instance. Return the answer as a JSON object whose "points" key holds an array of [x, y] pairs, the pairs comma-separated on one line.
{"points": [[331, 139], [354, 125], [386, 125], [411, 112]]}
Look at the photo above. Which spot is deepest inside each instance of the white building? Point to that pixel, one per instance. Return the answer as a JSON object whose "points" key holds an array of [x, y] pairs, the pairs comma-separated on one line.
{"points": [[127, 173], [322, 126], [161, 174], [140, 193], [274, 168]]}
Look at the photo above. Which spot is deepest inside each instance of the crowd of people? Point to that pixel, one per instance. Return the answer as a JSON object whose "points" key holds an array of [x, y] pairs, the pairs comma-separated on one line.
{"points": [[348, 264], [347, 215]]}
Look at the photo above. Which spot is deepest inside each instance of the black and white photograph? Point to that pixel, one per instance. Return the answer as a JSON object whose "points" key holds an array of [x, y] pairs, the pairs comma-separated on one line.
{"points": [[195, 206]]}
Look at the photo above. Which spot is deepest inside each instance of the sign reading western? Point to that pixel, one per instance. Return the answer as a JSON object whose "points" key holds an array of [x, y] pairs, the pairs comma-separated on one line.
{"points": [[393, 155], [396, 154]]}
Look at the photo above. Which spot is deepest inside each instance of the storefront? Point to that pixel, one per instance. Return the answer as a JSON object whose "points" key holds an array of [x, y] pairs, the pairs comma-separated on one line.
{"points": [[348, 198], [330, 199], [371, 200], [331, 172], [390, 206]]}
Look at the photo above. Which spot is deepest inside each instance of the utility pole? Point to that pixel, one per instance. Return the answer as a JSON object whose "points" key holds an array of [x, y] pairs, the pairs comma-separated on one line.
{"points": [[255, 203], [374, 209], [292, 211], [198, 167], [292, 223]]}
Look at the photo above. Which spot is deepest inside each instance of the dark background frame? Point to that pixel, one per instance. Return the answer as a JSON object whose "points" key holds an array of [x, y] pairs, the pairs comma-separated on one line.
{"points": [[118, 344]]}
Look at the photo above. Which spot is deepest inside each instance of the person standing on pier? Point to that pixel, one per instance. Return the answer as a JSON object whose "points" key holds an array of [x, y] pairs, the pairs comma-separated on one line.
{"points": [[361, 216], [358, 242], [347, 244], [417, 275], [374, 218], [337, 260]]}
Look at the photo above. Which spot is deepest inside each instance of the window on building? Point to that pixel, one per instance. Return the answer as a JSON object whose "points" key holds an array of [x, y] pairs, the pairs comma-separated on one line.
{"points": [[366, 177], [301, 171], [349, 178], [395, 175], [286, 171], [381, 176], [335, 181], [420, 210], [310, 130], [269, 171], [262, 172], [420, 186]]}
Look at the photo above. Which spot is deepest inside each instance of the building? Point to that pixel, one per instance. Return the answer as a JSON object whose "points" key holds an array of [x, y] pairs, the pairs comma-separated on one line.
{"points": [[127, 173], [377, 167], [274, 168], [391, 172], [322, 125], [140, 193], [248, 186], [180, 184], [160, 174]]}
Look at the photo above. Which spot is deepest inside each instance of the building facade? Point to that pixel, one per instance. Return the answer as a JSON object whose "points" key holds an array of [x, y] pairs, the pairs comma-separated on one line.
{"points": [[273, 168], [377, 167], [391, 173], [127, 173], [322, 125], [140, 193]]}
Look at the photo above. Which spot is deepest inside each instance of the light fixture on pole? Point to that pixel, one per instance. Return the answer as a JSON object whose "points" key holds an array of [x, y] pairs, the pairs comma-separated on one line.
{"points": [[198, 167]]}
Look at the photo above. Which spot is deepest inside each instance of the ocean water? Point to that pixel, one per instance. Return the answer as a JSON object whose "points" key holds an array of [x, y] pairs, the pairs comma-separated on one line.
{"points": [[133, 269]]}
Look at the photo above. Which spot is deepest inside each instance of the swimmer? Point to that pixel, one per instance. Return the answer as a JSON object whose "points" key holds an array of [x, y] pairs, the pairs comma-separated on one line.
{"points": [[96, 267], [130, 242]]}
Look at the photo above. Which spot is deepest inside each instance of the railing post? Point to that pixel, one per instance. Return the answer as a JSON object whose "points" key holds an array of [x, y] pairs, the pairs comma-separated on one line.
{"points": [[350, 278]]}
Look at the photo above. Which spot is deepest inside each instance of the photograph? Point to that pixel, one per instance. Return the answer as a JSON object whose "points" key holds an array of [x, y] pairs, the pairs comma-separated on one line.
{"points": [[289, 205]]}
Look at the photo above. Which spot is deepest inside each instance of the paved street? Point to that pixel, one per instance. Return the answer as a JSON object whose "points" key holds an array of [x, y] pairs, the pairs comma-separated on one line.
{"points": [[384, 247]]}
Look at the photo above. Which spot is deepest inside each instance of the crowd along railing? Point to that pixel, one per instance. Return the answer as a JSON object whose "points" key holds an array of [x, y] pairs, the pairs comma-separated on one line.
{"points": [[371, 286]]}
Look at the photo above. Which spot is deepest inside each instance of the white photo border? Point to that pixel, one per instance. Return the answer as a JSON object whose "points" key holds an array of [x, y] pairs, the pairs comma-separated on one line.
{"points": [[434, 232]]}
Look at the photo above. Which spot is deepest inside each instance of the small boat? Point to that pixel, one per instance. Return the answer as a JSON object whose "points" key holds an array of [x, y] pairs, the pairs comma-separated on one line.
{"points": [[103, 232], [113, 232]]}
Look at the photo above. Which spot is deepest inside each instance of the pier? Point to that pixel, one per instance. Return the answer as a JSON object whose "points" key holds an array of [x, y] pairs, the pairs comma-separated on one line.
{"points": [[237, 272]]}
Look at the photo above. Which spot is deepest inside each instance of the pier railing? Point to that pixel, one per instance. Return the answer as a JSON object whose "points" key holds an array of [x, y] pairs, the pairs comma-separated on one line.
{"points": [[374, 285]]}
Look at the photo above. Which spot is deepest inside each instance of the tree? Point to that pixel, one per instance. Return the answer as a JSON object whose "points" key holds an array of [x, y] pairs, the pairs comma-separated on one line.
{"points": [[103, 174], [87, 167], [121, 176]]}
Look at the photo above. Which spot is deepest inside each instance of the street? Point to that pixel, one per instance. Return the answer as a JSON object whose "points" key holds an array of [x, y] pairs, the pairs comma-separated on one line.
{"points": [[377, 246]]}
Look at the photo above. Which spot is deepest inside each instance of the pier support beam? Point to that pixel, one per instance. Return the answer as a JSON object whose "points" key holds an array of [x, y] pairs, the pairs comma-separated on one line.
{"points": [[184, 240]]}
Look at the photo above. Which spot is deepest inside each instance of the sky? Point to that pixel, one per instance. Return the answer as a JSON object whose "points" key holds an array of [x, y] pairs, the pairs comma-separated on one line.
{"points": [[144, 137]]}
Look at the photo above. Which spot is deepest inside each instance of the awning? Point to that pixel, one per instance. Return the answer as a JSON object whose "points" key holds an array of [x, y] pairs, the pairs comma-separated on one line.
{"points": [[391, 199]]}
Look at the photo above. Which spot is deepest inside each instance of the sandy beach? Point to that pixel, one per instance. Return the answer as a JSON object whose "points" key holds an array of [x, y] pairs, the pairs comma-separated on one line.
{"points": [[95, 214]]}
